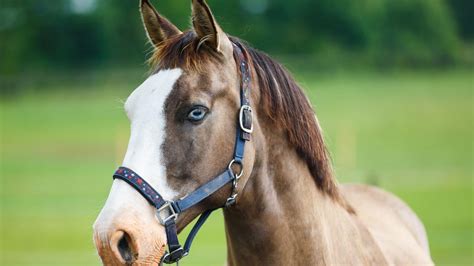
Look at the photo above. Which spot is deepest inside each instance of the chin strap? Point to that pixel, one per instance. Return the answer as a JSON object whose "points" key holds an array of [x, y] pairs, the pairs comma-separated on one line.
{"points": [[168, 211]]}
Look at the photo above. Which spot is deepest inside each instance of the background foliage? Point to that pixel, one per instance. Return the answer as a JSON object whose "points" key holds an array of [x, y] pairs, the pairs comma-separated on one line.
{"points": [[71, 33], [391, 81]]}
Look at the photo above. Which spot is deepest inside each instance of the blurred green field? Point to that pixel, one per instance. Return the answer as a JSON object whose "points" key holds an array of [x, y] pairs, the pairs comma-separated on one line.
{"points": [[408, 132]]}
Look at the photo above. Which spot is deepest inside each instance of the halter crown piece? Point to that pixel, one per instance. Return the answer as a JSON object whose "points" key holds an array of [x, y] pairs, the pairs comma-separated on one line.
{"points": [[168, 211]]}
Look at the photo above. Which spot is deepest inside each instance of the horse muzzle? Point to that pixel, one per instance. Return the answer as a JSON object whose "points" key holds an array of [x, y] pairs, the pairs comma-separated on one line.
{"points": [[127, 231], [124, 245]]}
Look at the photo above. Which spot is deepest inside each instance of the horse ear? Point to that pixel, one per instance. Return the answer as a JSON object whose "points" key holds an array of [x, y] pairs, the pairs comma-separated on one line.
{"points": [[208, 30], [157, 27]]}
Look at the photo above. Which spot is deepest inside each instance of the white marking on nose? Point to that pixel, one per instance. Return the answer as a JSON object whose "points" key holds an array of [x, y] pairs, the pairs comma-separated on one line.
{"points": [[145, 108]]}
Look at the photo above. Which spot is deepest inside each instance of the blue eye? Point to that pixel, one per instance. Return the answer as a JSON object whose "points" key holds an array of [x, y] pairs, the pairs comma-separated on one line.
{"points": [[197, 114]]}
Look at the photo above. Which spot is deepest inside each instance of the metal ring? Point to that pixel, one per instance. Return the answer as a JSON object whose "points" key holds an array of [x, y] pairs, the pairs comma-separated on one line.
{"points": [[237, 176]]}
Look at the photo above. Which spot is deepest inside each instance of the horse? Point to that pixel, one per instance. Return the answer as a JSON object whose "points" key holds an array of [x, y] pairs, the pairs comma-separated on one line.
{"points": [[208, 96]]}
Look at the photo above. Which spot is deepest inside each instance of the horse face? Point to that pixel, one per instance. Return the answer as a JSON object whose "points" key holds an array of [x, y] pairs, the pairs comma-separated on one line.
{"points": [[183, 126], [182, 135]]}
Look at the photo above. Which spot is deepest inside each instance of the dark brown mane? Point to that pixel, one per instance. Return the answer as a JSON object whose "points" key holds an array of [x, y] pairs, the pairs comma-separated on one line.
{"points": [[283, 101]]}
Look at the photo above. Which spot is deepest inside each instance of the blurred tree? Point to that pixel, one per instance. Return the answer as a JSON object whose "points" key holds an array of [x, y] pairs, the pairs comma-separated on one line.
{"points": [[41, 33], [71, 33], [462, 10], [414, 32], [121, 30]]}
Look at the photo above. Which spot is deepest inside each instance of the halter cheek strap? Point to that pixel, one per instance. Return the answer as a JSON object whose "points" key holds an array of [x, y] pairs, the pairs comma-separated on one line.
{"points": [[168, 211]]}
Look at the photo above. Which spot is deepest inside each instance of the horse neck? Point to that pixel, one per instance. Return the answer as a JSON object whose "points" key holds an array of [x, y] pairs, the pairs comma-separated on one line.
{"points": [[282, 218]]}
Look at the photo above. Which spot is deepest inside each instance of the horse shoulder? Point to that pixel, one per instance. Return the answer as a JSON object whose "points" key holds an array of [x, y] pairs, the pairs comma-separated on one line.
{"points": [[393, 224]]}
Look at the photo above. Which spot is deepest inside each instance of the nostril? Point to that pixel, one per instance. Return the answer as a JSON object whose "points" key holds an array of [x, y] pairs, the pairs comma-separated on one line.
{"points": [[124, 249], [122, 246]]}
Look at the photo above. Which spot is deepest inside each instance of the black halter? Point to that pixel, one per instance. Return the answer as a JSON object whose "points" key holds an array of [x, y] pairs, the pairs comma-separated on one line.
{"points": [[168, 211]]}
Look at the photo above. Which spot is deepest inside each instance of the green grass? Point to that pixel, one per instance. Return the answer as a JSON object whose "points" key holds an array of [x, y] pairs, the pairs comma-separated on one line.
{"points": [[410, 133]]}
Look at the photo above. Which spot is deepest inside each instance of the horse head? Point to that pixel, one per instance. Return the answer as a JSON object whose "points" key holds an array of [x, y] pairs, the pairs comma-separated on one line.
{"points": [[183, 124]]}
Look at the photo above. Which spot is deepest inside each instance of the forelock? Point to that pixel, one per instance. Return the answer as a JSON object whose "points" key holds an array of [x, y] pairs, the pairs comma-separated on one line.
{"points": [[183, 51]]}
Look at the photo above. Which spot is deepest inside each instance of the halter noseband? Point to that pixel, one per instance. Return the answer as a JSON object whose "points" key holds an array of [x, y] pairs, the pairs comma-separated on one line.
{"points": [[168, 211]]}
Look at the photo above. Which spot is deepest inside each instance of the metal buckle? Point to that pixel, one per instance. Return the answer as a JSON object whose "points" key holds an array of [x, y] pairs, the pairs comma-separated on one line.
{"points": [[241, 118], [167, 258], [172, 214], [237, 176]]}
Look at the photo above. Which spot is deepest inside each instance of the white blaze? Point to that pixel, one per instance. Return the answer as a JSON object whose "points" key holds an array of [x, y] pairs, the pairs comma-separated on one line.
{"points": [[145, 109]]}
